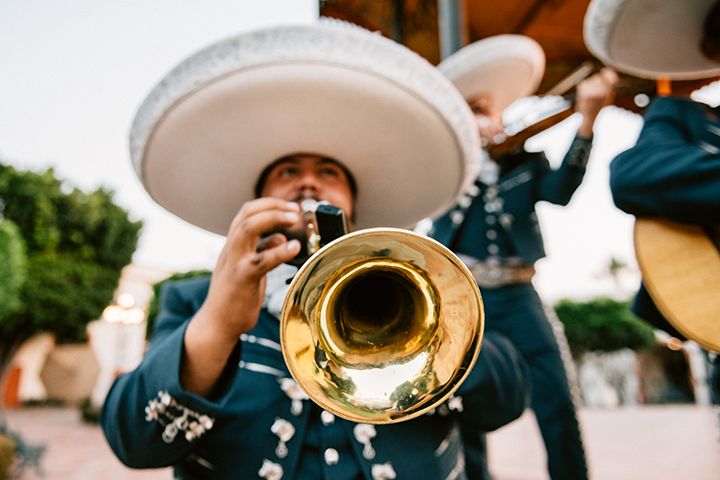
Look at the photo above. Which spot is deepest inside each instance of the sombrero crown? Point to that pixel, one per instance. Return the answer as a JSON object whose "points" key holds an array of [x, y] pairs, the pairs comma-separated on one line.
{"points": [[503, 68], [204, 134], [651, 38]]}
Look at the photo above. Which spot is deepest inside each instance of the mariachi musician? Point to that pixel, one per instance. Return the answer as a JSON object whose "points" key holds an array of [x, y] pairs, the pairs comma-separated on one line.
{"points": [[495, 228], [673, 170], [232, 140]]}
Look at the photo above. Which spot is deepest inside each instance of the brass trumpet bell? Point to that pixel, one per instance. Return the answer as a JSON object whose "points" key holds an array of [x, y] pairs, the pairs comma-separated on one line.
{"points": [[381, 325]]}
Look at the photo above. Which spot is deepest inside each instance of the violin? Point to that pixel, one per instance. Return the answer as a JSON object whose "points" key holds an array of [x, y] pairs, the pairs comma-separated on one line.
{"points": [[549, 113], [517, 133], [631, 93]]}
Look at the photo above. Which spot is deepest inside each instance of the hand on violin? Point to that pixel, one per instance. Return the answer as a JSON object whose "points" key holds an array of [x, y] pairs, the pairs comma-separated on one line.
{"points": [[488, 129], [593, 94], [487, 119]]}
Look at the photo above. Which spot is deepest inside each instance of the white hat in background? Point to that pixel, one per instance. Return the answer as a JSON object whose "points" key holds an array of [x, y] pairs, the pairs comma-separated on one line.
{"points": [[651, 38], [503, 68]]}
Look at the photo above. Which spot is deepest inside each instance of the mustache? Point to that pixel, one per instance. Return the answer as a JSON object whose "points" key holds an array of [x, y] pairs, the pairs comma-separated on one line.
{"points": [[304, 196]]}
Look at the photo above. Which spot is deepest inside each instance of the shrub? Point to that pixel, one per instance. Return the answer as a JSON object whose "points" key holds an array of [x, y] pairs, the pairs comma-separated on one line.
{"points": [[76, 245], [603, 325], [13, 269]]}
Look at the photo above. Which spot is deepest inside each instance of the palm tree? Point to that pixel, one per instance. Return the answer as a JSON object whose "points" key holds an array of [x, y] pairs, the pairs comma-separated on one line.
{"points": [[614, 268]]}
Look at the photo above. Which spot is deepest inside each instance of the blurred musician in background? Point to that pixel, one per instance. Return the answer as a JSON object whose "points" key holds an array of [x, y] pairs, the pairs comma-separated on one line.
{"points": [[495, 229], [673, 171]]}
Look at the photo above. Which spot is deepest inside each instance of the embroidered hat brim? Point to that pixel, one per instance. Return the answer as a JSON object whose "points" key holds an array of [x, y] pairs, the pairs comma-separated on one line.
{"points": [[205, 133], [503, 67], [650, 39]]}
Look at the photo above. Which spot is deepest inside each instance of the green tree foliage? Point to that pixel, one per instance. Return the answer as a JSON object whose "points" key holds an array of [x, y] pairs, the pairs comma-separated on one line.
{"points": [[76, 242], [602, 324], [154, 305], [13, 268]]}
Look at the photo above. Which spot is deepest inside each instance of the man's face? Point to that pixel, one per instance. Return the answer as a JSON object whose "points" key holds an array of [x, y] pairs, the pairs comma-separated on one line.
{"points": [[488, 120], [300, 177]]}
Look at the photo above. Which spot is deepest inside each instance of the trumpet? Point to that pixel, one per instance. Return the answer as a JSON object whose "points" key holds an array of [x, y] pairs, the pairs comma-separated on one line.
{"points": [[380, 325]]}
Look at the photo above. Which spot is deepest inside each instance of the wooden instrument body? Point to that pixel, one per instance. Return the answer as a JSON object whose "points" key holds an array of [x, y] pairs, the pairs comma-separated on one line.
{"points": [[680, 266]]}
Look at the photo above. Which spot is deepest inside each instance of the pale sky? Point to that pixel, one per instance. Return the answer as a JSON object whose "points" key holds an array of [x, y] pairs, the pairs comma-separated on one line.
{"points": [[73, 74]]}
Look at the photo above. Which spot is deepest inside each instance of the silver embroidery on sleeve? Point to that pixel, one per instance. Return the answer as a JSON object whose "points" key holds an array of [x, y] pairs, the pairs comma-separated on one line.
{"points": [[176, 418]]}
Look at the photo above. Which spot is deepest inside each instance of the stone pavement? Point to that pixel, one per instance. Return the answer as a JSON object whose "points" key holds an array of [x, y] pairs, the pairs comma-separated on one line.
{"points": [[74, 450], [660, 442], [638, 443]]}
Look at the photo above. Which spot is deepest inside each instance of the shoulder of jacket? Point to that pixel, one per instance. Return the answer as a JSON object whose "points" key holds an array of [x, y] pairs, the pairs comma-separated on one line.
{"points": [[662, 106], [188, 287]]}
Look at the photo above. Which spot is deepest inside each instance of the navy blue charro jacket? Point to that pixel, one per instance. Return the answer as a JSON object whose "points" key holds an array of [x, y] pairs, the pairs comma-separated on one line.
{"points": [[150, 421], [672, 172], [510, 204]]}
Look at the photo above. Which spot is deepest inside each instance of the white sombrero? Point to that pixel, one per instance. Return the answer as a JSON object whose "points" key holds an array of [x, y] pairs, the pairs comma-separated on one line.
{"points": [[650, 38], [503, 67], [205, 133]]}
